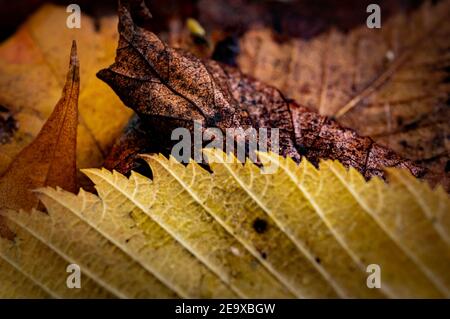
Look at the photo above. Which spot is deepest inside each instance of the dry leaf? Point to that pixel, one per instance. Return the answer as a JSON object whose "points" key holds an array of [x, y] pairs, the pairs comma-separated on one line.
{"points": [[235, 232], [50, 160], [169, 88], [32, 72], [390, 84]]}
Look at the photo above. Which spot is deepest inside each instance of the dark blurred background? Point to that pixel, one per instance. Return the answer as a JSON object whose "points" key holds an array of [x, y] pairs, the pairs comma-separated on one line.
{"points": [[299, 18]]}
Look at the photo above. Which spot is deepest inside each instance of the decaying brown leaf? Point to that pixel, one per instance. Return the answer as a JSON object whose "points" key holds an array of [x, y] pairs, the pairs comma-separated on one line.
{"points": [[50, 160], [135, 140], [170, 88], [390, 84]]}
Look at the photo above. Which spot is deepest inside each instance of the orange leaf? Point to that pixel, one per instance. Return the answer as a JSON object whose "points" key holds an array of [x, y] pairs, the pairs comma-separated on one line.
{"points": [[50, 160]]}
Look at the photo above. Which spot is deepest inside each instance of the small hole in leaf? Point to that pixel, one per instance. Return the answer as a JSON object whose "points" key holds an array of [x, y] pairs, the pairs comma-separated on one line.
{"points": [[260, 225]]}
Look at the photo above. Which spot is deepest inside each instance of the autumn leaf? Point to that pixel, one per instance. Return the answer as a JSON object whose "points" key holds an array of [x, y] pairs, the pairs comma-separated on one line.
{"points": [[171, 88], [193, 233], [135, 139], [50, 160], [389, 83], [32, 71], [219, 228], [242, 204]]}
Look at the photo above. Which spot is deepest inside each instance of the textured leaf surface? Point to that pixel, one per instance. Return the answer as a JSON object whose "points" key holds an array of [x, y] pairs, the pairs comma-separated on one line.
{"points": [[50, 159], [155, 248], [231, 207], [364, 228], [390, 84], [170, 88], [17, 285], [234, 232], [34, 259], [32, 72], [187, 219], [291, 211]]}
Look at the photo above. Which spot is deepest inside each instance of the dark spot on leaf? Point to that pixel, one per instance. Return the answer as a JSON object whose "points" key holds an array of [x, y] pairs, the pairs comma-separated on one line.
{"points": [[399, 121], [318, 260], [263, 255], [403, 143], [260, 225]]}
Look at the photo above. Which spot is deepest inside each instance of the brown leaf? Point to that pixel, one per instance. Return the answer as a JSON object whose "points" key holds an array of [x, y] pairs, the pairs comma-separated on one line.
{"points": [[135, 140], [169, 88], [50, 160], [390, 84]]}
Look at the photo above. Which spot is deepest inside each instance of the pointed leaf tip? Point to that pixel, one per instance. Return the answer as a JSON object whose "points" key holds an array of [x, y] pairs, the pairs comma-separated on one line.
{"points": [[50, 159], [74, 54]]}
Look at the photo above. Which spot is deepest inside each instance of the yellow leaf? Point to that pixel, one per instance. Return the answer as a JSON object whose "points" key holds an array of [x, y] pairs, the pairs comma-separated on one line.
{"points": [[179, 210], [233, 208], [68, 233], [291, 211], [362, 234], [153, 246], [17, 285], [32, 72], [34, 259], [235, 232]]}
